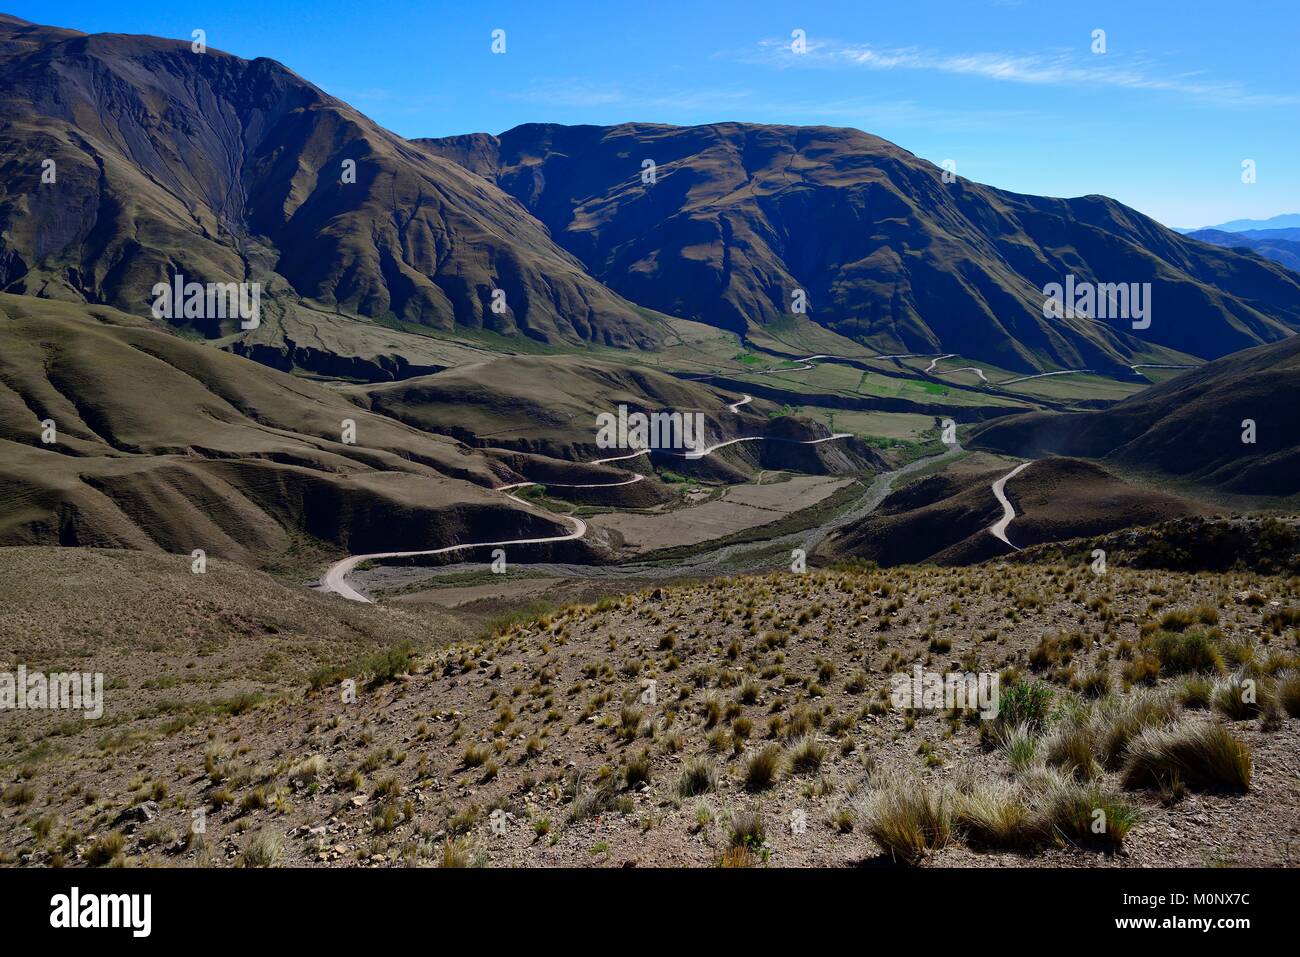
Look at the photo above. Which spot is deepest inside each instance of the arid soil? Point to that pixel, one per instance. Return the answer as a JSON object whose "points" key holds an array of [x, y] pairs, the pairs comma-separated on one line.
{"points": [[538, 744], [741, 507]]}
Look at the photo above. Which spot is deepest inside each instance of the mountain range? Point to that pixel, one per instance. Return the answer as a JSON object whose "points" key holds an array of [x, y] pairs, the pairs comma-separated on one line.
{"points": [[371, 250], [1282, 221], [167, 161], [887, 252]]}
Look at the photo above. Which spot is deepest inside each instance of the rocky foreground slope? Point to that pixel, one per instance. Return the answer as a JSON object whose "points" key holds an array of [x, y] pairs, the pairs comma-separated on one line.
{"points": [[770, 736]]}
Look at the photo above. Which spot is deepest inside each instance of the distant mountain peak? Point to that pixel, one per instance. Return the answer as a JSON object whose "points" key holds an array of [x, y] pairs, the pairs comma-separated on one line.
{"points": [[1281, 221]]}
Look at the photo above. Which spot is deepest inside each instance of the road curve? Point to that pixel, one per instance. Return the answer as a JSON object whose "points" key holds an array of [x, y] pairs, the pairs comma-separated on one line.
{"points": [[335, 578], [700, 453], [999, 528], [1041, 375]]}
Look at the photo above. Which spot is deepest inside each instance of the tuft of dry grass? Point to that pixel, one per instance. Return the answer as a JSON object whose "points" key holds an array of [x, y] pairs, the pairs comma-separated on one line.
{"points": [[308, 770], [763, 767], [1240, 697], [105, 849], [637, 771], [699, 776], [1070, 748], [455, 853], [1183, 652], [907, 818], [1086, 814], [1117, 721], [993, 813], [263, 850], [1288, 692], [1201, 754], [807, 755]]}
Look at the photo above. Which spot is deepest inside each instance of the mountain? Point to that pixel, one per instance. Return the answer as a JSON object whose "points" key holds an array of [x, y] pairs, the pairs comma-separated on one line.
{"points": [[167, 161], [1190, 427], [739, 216], [1280, 245], [1283, 221]]}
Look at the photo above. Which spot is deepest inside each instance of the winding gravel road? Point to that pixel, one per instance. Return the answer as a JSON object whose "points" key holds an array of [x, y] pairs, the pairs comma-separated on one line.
{"points": [[335, 578], [999, 528], [1042, 375]]}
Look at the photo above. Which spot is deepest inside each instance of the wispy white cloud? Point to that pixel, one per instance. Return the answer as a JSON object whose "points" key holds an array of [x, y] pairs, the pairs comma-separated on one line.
{"points": [[569, 93], [1057, 69]]}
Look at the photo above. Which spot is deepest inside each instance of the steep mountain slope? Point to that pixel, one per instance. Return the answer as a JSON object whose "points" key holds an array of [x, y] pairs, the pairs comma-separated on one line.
{"points": [[1191, 426], [739, 216], [169, 161], [1283, 248], [165, 444]]}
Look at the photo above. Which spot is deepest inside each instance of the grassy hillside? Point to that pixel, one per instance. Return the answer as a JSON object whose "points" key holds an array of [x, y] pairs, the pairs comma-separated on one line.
{"points": [[945, 518]]}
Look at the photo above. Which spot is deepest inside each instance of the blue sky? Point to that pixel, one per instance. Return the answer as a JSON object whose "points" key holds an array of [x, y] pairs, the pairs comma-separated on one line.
{"points": [[1009, 89]]}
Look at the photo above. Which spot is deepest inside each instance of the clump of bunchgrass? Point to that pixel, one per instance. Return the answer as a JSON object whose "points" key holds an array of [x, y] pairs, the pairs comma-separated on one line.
{"points": [[699, 776], [1203, 755], [807, 755], [993, 813], [907, 817], [763, 767], [263, 850]]}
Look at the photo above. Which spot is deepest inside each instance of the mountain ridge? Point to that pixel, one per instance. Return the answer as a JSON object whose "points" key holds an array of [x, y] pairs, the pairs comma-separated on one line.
{"points": [[739, 216]]}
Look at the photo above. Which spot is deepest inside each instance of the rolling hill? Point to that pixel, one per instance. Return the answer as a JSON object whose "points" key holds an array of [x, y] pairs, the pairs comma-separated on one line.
{"points": [[161, 443], [944, 519]]}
